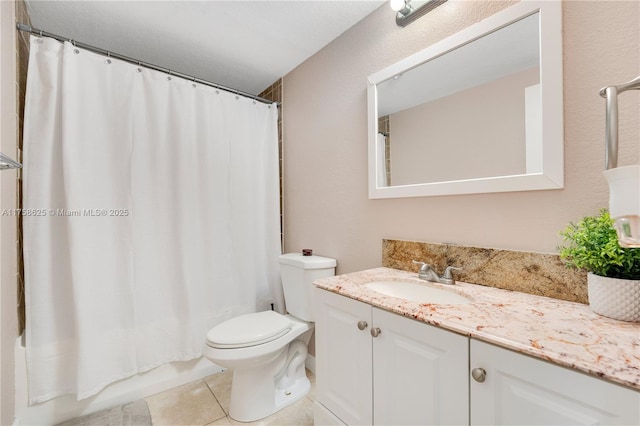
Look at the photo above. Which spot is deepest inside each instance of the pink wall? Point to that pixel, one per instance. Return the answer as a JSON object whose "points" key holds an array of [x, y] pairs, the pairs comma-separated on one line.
{"points": [[325, 139]]}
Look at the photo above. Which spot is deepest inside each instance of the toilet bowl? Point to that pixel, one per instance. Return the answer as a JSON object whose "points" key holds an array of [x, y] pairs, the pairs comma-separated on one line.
{"points": [[267, 350], [268, 365]]}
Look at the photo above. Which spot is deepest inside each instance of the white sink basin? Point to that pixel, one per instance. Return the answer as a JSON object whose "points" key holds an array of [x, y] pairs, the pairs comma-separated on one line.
{"points": [[417, 292]]}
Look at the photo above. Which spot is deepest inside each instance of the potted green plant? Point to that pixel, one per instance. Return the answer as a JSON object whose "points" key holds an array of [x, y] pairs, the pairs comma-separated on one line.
{"points": [[613, 277]]}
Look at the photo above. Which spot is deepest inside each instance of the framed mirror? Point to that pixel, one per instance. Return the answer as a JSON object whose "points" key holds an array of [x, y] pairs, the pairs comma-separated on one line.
{"points": [[478, 112]]}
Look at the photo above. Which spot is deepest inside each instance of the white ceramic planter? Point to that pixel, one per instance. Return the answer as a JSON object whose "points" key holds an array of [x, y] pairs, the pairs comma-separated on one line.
{"points": [[614, 298]]}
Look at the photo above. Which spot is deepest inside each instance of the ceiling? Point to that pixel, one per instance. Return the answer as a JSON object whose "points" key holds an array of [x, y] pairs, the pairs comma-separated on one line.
{"points": [[245, 45]]}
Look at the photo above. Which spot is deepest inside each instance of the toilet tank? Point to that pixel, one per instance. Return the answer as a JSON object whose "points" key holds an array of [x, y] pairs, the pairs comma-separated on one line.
{"points": [[298, 273]]}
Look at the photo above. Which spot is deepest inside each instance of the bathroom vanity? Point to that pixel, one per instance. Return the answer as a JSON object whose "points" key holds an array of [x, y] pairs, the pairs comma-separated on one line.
{"points": [[501, 358]]}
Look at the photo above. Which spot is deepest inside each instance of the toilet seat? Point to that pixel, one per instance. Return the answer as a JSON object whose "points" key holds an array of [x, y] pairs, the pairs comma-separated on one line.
{"points": [[249, 330]]}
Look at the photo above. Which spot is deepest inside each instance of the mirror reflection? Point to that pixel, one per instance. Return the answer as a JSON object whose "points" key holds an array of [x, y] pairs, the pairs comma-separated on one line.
{"points": [[472, 112]]}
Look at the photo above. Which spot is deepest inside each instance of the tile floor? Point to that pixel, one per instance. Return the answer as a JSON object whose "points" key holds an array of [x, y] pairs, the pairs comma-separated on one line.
{"points": [[206, 402]]}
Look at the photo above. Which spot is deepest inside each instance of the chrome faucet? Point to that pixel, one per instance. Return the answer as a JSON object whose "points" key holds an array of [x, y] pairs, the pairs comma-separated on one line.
{"points": [[429, 274]]}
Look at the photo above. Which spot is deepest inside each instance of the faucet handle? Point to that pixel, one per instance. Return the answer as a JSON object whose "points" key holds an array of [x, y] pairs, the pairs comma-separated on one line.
{"points": [[424, 267], [447, 272], [447, 278]]}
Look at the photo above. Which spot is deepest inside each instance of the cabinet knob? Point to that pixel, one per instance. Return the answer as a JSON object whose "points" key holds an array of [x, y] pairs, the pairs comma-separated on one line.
{"points": [[362, 325], [479, 374], [375, 332]]}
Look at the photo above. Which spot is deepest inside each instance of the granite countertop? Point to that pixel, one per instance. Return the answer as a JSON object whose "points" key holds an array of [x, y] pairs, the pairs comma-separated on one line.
{"points": [[565, 333]]}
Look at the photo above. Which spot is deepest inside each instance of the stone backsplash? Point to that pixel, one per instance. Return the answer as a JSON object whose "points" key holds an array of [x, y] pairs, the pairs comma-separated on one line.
{"points": [[534, 273]]}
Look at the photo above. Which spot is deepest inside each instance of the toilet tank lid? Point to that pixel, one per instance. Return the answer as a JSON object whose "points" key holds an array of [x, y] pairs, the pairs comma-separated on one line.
{"points": [[307, 262]]}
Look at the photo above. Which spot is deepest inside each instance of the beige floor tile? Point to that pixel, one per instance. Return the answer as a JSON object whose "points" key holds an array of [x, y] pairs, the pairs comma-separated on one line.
{"points": [[298, 414], [190, 404], [221, 422], [194, 404], [220, 385]]}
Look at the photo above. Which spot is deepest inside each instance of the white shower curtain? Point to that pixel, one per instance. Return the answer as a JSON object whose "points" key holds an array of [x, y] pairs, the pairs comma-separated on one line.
{"points": [[151, 214]]}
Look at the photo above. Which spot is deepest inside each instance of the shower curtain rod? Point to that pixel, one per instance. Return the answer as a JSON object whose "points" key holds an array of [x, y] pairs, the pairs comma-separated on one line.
{"points": [[41, 33]]}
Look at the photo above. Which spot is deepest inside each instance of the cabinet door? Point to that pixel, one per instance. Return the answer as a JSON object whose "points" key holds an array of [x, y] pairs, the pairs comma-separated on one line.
{"points": [[343, 357], [420, 373], [521, 390]]}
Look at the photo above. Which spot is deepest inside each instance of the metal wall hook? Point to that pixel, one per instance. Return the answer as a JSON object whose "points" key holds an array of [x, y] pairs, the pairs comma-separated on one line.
{"points": [[8, 163], [629, 85], [611, 133]]}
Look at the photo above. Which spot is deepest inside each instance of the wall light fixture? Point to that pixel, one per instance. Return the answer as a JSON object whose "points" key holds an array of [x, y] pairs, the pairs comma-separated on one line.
{"points": [[408, 10]]}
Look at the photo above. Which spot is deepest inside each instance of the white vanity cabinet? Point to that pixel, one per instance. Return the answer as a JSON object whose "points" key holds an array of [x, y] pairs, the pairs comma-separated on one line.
{"points": [[375, 367], [509, 388], [343, 358]]}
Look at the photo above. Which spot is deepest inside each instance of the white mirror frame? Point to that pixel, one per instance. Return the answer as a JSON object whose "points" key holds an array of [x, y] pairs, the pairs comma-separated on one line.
{"points": [[552, 175]]}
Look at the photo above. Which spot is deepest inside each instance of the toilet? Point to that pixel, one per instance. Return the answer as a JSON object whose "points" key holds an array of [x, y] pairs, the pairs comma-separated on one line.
{"points": [[267, 350]]}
